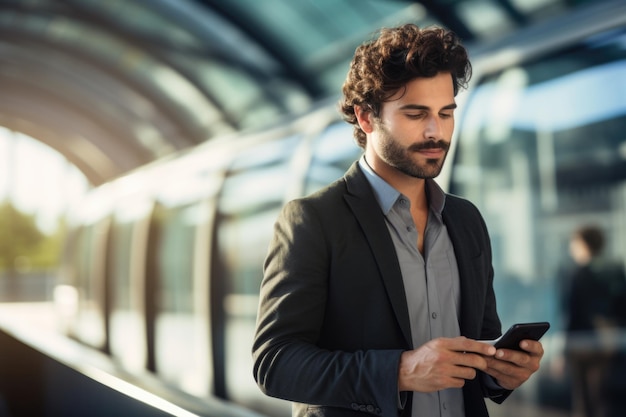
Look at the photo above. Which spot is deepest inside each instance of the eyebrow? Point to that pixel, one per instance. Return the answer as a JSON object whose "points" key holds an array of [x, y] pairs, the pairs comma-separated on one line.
{"points": [[450, 106]]}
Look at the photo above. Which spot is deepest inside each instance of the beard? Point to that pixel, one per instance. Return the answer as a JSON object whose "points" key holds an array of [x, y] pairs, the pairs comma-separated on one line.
{"points": [[402, 159]]}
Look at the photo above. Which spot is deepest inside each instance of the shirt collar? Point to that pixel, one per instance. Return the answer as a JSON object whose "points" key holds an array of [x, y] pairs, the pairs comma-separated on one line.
{"points": [[386, 195]]}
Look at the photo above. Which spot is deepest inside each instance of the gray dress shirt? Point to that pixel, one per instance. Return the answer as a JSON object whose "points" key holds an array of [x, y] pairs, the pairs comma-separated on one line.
{"points": [[431, 281]]}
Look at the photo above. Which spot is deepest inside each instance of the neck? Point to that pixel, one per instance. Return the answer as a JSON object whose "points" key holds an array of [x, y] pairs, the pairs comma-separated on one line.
{"points": [[413, 188]]}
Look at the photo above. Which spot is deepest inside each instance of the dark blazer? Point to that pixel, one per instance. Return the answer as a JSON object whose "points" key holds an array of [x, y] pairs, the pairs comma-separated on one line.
{"points": [[333, 318]]}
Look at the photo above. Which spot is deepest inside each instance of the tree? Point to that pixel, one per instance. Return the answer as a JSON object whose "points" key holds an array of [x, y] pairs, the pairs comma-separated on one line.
{"points": [[19, 238]]}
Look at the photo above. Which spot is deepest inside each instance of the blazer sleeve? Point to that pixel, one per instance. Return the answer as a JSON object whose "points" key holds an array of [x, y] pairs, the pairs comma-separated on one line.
{"points": [[288, 363]]}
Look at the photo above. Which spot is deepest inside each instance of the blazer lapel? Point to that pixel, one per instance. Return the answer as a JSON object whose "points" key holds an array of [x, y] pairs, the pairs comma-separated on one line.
{"points": [[471, 284], [361, 200]]}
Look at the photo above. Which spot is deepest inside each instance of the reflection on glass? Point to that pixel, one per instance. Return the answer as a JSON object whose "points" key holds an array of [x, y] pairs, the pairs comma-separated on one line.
{"points": [[90, 325], [541, 152], [333, 152], [248, 209], [127, 329], [181, 323]]}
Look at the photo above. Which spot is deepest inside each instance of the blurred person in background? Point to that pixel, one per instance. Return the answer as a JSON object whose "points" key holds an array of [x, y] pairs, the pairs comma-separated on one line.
{"points": [[594, 304]]}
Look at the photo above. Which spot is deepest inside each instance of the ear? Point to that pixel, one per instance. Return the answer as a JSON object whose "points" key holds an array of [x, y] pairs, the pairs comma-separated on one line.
{"points": [[365, 118]]}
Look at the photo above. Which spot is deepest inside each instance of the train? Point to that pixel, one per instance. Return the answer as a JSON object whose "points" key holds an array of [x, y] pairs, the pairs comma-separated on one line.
{"points": [[162, 266]]}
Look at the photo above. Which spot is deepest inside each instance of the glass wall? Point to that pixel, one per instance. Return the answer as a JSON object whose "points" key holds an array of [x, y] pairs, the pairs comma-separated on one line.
{"points": [[179, 250], [332, 154], [542, 152], [90, 323], [253, 194], [127, 329]]}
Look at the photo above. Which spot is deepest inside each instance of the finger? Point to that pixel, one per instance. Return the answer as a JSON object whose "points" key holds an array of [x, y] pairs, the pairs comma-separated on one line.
{"points": [[511, 361], [520, 358], [466, 373], [474, 346], [510, 355], [532, 346], [470, 360]]}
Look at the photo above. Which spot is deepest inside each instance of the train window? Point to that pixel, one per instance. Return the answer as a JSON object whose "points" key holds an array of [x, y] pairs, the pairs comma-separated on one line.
{"points": [[179, 252], [247, 210], [541, 151], [332, 154]]}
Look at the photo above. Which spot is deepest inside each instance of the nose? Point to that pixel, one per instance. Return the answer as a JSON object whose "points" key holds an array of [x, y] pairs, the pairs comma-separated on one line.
{"points": [[434, 130]]}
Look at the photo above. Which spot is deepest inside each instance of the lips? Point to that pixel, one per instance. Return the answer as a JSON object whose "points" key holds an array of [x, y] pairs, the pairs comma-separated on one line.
{"points": [[431, 149], [432, 153]]}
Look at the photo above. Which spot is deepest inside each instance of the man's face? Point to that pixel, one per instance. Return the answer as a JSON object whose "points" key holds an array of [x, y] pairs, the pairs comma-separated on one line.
{"points": [[415, 127]]}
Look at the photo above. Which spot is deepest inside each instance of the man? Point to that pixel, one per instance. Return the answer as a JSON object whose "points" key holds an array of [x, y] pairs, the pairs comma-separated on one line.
{"points": [[377, 288], [594, 311]]}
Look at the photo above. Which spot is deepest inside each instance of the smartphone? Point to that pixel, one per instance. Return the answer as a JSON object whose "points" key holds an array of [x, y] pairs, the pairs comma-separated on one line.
{"points": [[518, 332]]}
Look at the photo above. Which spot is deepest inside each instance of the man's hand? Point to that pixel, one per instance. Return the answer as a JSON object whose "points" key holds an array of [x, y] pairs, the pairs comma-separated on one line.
{"points": [[443, 363], [512, 368]]}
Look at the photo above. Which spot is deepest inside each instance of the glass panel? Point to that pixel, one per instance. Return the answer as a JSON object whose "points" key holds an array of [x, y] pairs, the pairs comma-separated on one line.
{"points": [[252, 198], [181, 323], [333, 153], [542, 152], [321, 36], [127, 325], [90, 322]]}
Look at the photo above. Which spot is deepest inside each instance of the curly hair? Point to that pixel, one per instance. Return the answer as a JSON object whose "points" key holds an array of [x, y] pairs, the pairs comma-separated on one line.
{"points": [[383, 66]]}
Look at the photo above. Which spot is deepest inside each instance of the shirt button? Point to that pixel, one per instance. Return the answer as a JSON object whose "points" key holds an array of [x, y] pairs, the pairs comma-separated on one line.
{"points": [[434, 315], [445, 406]]}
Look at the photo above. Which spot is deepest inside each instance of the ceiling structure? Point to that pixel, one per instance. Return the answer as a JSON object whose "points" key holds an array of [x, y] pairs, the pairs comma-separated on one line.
{"points": [[115, 84]]}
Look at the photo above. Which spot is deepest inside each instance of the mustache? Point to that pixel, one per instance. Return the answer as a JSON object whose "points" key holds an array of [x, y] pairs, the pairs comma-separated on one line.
{"points": [[433, 144]]}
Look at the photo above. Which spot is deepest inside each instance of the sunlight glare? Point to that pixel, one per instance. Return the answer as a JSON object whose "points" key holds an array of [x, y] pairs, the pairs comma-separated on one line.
{"points": [[37, 179]]}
